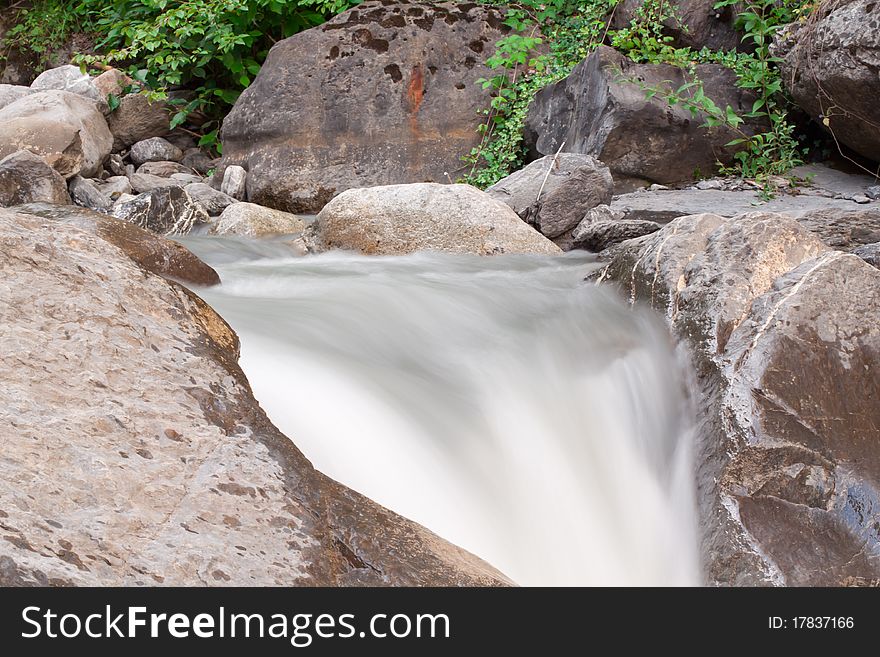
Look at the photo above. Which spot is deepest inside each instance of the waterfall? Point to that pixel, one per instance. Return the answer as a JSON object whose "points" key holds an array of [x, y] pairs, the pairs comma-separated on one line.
{"points": [[529, 417]]}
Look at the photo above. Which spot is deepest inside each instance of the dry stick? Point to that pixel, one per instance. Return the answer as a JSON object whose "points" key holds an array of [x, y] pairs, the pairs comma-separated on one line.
{"points": [[549, 169]]}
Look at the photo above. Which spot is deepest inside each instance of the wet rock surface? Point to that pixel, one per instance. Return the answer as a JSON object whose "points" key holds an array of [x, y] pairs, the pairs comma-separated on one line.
{"points": [[166, 211], [159, 467], [785, 337]]}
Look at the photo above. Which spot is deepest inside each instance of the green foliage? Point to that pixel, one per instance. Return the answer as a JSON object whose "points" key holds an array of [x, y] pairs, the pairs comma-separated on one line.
{"points": [[573, 29], [210, 48]]}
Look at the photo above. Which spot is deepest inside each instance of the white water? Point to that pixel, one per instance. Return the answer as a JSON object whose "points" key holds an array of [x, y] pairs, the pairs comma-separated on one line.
{"points": [[512, 409]]}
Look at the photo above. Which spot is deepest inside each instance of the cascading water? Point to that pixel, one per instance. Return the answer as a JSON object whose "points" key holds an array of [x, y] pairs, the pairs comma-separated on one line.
{"points": [[530, 418]]}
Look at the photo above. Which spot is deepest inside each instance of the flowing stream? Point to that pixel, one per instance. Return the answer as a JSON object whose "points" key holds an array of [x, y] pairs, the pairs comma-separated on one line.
{"points": [[531, 418]]}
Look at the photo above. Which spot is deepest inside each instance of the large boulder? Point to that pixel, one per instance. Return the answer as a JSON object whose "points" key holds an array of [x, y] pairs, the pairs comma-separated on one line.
{"points": [[134, 452], [383, 93], [398, 219], [829, 66], [165, 211], [691, 23], [555, 192], [9, 93], [249, 220], [26, 178], [602, 109], [784, 333], [66, 129]]}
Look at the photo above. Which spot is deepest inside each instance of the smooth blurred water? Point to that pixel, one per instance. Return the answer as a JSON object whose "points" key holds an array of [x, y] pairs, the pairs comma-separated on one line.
{"points": [[531, 418]]}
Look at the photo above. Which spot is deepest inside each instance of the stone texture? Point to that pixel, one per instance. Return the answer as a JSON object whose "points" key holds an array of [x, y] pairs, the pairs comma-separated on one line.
{"points": [[112, 81], [870, 253], [135, 453], [9, 93], [68, 78], [154, 149], [85, 192], [663, 206], [249, 220], [67, 130], [398, 219], [114, 186], [195, 160], [570, 184], [597, 111], [829, 67], [137, 119], [694, 23], [26, 178], [213, 201], [844, 229], [383, 93], [234, 182], [165, 211], [599, 235], [153, 253], [784, 337], [162, 169], [145, 182]]}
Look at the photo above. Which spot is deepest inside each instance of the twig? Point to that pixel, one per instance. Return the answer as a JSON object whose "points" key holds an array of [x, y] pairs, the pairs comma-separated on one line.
{"points": [[549, 169]]}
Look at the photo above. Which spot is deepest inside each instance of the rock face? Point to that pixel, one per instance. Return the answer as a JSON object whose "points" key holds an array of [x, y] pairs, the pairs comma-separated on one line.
{"points": [[397, 219], [9, 93], [155, 254], [137, 119], [830, 67], [165, 211], [870, 253], [383, 93], [599, 235], [596, 110], [251, 220], [844, 229], [26, 178], [140, 456], [694, 23], [785, 338], [66, 129], [569, 185]]}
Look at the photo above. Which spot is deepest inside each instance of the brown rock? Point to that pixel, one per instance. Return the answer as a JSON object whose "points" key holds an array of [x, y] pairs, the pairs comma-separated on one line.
{"points": [[784, 334], [26, 178], [136, 119], [383, 93], [174, 474]]}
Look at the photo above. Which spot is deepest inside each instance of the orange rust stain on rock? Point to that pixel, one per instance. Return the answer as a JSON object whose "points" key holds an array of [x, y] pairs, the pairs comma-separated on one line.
{"points": [[415, 90]]}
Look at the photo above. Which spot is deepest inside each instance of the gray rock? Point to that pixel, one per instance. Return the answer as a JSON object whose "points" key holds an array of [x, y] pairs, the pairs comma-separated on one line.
{"points": [[124, 198], [829, 66], [162, 169], [843, 229], [873, 192], [570, 184], [234, 182], [597, 110], [195, 160], [383, 93], [663, 206], [398, 219], [783, 333], [145, 182], [26, 178], [136, 119], [67, 130], [165, 211], [213, 201], [249, 220], [870, 253], [114, 186], [185, 179], [86, 193], [9, 93], [68, 78], [599, 235], [171, 472], [154, 149], [116, 165]]}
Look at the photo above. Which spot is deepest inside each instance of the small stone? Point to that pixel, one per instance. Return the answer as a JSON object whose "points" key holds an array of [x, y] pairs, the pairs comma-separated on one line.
{"points": [[873, 192], [251, 220], [115, 186], [162, 169], [860, 199], [145, 182], [234, 182], [709, 184], [213, 201], [155, 149], [85, 193]]}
